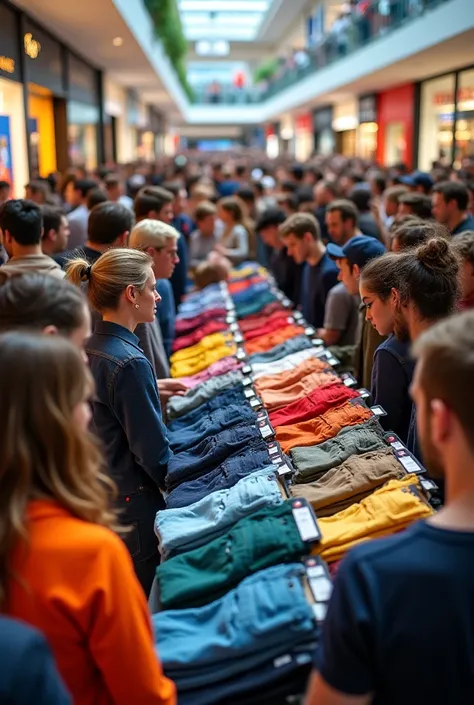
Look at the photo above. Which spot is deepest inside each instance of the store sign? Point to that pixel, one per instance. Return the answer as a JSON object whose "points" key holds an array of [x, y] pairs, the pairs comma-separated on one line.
{"points": [[10, 45], [7, 64], [32, 46], [323, 119], [368, 108], [464, 95]]}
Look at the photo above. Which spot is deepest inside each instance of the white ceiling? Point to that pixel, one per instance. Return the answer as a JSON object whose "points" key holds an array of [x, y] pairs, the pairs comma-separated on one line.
{"points": [[231, 20]]}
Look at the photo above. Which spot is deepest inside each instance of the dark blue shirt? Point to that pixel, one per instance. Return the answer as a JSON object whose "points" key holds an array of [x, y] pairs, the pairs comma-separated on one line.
{"points": [[126, 410], [28, 672], [391, 378], [178, 278], [318, 280], [464, 225], [166, 313], [90, 255], [401, 621]]}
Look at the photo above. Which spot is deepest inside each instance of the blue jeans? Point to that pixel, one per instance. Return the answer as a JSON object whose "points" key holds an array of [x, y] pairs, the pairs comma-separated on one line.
{"points": [[270, 683], [178, 406], [232, 395], [211, 452], [238, 632], [209, 424], [224, 476], [301, 342], [181, 530]]}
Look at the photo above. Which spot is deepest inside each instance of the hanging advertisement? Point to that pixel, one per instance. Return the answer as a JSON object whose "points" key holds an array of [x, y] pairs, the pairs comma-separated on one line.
{"points": [[6, 168]]}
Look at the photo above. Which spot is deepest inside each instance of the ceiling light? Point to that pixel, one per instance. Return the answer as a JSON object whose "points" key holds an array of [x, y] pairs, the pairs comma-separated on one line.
{"points": [[117, 41]]}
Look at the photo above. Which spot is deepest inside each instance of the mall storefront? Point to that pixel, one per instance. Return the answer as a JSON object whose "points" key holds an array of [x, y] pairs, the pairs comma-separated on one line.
{"points": [[446, 127], [50, 103]]}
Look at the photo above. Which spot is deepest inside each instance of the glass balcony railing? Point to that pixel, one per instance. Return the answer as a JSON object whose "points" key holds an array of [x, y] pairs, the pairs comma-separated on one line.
{"points": [[367, 22]]}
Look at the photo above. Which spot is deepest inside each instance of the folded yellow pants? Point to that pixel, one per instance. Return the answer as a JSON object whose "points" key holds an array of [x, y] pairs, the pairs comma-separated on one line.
{"points": [[390, 509], [209, 342], [186, 368]]}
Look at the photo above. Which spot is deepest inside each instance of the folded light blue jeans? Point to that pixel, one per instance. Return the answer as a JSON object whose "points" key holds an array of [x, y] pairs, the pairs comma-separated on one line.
{"points": [[183, 529], [241, 630]]}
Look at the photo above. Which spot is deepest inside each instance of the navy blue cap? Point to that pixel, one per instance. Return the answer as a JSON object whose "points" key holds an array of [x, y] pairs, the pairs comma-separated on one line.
{"points": [[358, 250], [418, 178]]}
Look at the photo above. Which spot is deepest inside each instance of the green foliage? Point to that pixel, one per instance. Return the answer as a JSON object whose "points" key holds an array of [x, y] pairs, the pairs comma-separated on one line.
{"points": [[266, 70], [168, 29]]}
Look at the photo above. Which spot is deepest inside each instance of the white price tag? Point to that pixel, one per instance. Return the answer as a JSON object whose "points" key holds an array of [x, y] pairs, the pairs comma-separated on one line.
{"points": [[397, 445], [249, 393], [238, 337], [305, 522], [255, 403], [409, 464], [322, 588], [234, 327], [320, 610], [247, 381]]}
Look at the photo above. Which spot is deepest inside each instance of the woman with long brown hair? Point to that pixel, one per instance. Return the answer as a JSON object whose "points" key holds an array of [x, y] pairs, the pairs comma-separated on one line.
{"points": [[63, 569]]}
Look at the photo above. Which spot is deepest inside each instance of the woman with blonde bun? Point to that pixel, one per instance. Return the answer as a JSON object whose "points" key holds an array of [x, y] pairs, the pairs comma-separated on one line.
{"points": [[126, 407]]}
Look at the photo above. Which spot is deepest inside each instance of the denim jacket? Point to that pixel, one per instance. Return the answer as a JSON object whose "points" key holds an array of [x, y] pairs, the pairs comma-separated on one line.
{"points": [[127, 411]]}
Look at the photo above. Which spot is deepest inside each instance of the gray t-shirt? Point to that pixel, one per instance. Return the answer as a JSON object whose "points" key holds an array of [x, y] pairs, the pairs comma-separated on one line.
{"points": [[342, 313]]}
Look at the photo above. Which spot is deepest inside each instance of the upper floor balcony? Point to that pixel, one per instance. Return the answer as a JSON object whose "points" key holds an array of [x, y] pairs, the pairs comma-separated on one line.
{"points": [[392, 42], [355, 30]]}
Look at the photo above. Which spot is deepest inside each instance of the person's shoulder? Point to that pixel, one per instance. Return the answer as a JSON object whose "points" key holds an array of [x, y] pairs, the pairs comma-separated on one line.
{"points": [[17, 637], [394, 348], [340, 293], [385, 553]]}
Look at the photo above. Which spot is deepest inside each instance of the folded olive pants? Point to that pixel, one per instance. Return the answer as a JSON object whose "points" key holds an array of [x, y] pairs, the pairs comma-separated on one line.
{"points": [[311, 462], [350, 482]]}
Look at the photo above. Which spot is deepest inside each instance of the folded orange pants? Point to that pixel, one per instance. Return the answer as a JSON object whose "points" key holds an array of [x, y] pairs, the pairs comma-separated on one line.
{"points": [[328, 425], [274, 399], [283, 380], [271, 340]]}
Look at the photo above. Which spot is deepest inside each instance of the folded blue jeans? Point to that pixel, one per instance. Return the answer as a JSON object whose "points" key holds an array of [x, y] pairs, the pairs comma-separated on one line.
{"points": [[231, 395], [178, 406], [226, 475], [250, 294], [208, 425], [269, 683], [241, 630], [183, 529], [301, 342], [255, 305], [211, 452]]}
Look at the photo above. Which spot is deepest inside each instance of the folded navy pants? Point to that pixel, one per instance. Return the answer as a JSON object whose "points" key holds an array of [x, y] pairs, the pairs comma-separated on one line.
{"points": [[209, 425], [211, 452]]}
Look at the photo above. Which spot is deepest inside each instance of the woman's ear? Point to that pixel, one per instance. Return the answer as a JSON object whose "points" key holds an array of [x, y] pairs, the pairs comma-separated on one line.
{"points": [[130, 294]]}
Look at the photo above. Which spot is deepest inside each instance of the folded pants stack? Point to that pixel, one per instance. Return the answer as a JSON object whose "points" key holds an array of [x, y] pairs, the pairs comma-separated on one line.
{"points": [[235, 623]]}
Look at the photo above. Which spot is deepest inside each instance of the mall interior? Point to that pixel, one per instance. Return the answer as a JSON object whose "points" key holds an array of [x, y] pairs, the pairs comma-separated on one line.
{"points": [[236, 352]]}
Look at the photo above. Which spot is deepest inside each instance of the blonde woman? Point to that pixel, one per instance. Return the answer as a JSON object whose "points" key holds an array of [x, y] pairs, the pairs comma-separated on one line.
{"points": [[126, 407], [235, 241], [63, 569]]}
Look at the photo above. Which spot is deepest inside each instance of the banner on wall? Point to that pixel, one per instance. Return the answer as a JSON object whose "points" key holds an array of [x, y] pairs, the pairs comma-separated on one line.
{"points": [[6, 168]]}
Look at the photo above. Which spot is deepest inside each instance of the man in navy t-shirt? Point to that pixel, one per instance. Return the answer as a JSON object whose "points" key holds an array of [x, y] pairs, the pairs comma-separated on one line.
{"points": [[400, 626], [302, 237]]}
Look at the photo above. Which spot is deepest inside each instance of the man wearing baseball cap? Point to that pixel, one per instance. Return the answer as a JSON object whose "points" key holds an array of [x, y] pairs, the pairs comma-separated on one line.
{"points": [[350, 259], [419, 181]]}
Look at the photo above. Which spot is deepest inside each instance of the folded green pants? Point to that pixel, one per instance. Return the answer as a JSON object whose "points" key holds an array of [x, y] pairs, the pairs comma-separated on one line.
{"points": [[205, 574]]}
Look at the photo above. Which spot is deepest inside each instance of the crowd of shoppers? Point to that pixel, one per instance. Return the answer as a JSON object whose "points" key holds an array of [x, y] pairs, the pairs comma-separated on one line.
{"points": [[379, 263]]}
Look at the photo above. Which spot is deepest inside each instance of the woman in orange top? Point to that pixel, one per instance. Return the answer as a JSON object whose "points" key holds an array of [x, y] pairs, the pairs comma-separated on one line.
{"points": [[62, 567]]}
